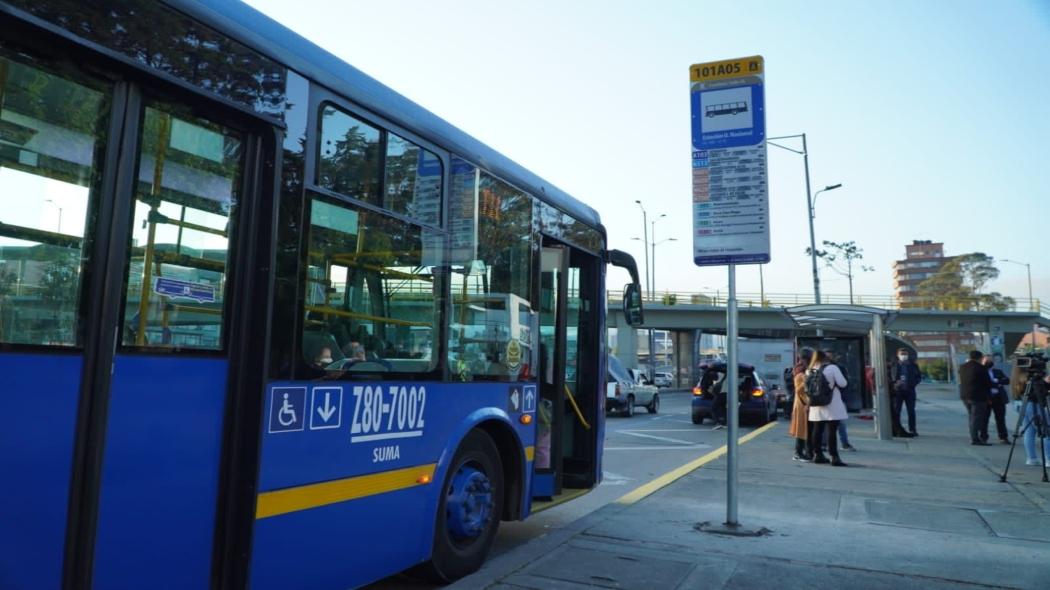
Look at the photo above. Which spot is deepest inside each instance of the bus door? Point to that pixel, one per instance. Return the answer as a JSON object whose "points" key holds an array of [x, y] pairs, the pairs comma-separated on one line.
{"points": [[169, 376], [115, 258], [566, 436], [547, 463]]}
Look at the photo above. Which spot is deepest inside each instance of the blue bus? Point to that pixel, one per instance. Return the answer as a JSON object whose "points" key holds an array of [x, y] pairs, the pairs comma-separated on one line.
{"points": [[266, 323]]}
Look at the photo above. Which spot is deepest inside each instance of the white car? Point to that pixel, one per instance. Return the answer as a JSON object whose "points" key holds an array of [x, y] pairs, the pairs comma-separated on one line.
{"points": [[663, 380], [623, 393]]}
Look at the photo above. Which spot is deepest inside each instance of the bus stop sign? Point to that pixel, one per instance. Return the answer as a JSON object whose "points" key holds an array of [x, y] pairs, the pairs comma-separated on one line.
{"points": [[730, 188]]}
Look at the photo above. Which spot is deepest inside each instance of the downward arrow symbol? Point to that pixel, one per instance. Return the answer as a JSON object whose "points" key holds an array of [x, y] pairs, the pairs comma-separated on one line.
{"points": [[328, 409]]}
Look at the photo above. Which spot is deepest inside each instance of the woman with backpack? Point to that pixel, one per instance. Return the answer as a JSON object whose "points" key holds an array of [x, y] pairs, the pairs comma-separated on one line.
{"points": [[799, 429], [824, 381]]}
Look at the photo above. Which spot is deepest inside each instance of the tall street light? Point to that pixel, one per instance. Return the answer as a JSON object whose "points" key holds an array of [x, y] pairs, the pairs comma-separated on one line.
{"points": [[813, 241], [59, 213], [645, 242], [810, 199], [1031, 300], [655, 244], [648, 285], [652, 245]]}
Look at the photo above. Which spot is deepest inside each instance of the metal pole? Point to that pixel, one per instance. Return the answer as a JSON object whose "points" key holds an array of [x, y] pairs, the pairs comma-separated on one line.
{"points": [[645, 243], [732, 401], [652, 269], [812, 236], [761, 288], [652, 285], [884, 422]]}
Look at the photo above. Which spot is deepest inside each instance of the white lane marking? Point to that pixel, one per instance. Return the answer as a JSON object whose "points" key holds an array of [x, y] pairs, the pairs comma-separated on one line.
{"points": [[660, 448], [660, 438], [614, 479], [697, 429]]}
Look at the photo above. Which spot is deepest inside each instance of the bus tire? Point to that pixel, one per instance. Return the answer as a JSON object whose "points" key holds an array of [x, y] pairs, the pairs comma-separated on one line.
{"points": [[468, 512]]}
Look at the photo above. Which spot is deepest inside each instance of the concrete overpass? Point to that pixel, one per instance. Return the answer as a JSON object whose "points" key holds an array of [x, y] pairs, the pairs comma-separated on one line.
{"points": [[795, 321]]}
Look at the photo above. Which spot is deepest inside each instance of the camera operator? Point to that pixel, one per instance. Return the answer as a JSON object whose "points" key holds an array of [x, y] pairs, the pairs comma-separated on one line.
{"points": [[1035, 405]]}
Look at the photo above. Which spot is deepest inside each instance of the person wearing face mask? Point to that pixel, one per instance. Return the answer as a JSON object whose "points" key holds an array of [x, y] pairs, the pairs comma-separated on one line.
{"points": [[904, 378], [997, 400]]}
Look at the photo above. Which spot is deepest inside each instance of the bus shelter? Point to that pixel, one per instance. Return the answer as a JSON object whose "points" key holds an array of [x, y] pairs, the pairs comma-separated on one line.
{"points": [[856, 320]]}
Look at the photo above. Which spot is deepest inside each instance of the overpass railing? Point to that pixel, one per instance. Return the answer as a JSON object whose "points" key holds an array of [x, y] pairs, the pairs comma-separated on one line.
{"points": [[776, 300]]}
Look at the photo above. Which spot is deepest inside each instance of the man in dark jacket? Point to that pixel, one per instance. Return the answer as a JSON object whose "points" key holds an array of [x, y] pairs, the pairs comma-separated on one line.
{"points": [[997, 399], [974, 388], [905, 376]]}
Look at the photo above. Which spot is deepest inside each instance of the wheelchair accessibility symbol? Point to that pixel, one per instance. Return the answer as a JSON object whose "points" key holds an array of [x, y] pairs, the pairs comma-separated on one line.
{"points": [[287, 406]]}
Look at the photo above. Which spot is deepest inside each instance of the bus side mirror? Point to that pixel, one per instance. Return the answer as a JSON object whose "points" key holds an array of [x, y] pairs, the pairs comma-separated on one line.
{"points": [[632, 304]]}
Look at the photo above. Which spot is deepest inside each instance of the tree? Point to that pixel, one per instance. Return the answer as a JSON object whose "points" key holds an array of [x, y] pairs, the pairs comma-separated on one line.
{"points": [[977, 269], [840, 257], [958, 285]]}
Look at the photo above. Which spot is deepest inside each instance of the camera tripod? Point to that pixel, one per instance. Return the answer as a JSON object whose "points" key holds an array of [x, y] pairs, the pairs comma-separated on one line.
{"points": [[1038, 422]]}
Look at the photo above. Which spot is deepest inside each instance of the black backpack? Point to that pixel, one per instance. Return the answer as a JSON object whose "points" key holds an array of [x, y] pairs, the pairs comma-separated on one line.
{"points": [[818, 389]]}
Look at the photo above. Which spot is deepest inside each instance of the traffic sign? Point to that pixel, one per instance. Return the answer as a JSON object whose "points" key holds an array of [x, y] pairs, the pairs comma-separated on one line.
{"points": [[529, 401], [326, 408], [730, 184], [287, 407], [199, 292]]}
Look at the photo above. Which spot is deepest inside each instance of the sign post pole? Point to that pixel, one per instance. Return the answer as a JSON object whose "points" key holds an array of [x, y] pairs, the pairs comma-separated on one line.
{"points": [[730, 207], [732, 385]]}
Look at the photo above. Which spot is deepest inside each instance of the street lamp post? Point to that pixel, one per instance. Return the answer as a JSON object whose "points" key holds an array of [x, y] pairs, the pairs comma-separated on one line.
{"points": [[645, 242], [810, 201], [655, 244], [648, 285], [1031, 299], [652, 246], [813, 238], [59, 213]]}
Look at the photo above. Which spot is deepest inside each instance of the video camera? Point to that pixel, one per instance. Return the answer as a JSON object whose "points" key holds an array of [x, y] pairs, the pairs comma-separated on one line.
{"points": [[1034, 364]]}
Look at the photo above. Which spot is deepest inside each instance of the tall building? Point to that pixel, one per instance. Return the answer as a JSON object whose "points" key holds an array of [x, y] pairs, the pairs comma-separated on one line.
{"points": [[922, 260]]}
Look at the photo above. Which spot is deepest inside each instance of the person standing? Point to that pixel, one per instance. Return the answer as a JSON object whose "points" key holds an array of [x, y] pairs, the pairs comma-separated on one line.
{"points": [[799, 428], [905, 376], [1035, 415], [974, 387], [997, 399], [826, 418], [833, 358]]}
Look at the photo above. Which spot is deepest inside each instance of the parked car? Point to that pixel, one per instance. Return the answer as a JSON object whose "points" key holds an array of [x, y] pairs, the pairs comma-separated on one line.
{"points": [[663, 380], [623, 392], [757, 401], [639, 376]]}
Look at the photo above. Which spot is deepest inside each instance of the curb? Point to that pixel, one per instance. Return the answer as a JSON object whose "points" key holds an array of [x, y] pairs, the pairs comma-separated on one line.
{"points": [[516, 559]]}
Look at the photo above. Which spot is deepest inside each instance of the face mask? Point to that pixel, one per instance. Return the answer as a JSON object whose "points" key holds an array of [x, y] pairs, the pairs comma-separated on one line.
{"points": [[903, 357], [326, 360], [989, 364]]}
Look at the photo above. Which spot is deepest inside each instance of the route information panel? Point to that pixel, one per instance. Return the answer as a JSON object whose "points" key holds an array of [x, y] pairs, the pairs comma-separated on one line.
{"points": [[730, 176]]}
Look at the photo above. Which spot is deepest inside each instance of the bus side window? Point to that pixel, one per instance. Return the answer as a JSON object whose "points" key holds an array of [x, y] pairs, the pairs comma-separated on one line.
{"points": [[372, 297], [493, 329], [185, 202], [52, 133]]}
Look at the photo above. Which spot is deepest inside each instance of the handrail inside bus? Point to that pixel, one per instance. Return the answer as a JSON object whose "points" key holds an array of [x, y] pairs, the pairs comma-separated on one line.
{"points": [[363, 316], [576, 408]]}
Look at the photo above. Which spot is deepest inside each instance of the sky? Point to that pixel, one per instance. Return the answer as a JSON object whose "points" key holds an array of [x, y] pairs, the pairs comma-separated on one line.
{"points": [[934, 115]]}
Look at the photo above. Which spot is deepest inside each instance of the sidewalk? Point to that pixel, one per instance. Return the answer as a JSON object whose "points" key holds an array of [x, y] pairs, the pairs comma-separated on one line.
{"points": [[926, 513]]}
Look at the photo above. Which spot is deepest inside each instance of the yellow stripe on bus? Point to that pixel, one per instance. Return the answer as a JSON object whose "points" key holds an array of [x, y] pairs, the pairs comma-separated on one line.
{"points": [[530, 453], [316, 495]]}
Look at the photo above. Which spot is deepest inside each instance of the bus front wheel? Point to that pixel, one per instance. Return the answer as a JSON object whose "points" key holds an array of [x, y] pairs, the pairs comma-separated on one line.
{"points": [[469, 510]]}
